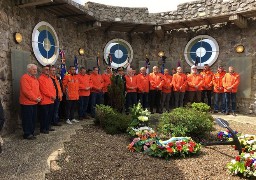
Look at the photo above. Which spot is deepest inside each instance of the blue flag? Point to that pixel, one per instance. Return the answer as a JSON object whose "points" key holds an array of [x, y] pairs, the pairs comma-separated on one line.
{"points": [[63, 70], [76, 64]]}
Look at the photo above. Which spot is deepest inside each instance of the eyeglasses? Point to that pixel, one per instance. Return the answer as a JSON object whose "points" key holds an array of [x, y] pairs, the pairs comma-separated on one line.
{"points": [[108, 68]]}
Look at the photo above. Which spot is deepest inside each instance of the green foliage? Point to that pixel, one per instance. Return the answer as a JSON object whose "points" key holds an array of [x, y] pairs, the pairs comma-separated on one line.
{"points": [[202, 107], [185, 122], [112, 122], [116, 93]]}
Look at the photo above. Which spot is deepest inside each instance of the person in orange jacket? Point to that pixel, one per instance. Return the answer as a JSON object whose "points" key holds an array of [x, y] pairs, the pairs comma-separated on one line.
{"points": [[96, 90], [46, 105], [143, 87], [155, 86], [166, 91], [218, 90], [207, 86], [85, 85], [179, 83], [59, 94], [194, 88], [71, 89], [29, 97], [106, 83], [131, 89], [231, 81]]}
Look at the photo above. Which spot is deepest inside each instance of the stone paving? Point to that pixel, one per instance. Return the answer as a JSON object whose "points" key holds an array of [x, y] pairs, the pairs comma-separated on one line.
{"points": [[30, 160]]}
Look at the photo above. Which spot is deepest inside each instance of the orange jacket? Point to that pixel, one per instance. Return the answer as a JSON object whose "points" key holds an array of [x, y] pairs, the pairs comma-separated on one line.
{"points": [[179, 82], [156, 80], [167, 85], [193, 81], [85, 84], [142, 83], [47, 89], [207, 78], [71, 87], [231, 81], [29, 90], [217, 82], [97, 83], [106, 81], [131, 83], [60, 94]]}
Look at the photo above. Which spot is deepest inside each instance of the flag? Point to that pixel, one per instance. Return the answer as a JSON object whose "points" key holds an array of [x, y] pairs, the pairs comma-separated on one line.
{"points": [[179, 63], [76, 64], [98, 62], [196, 61], [109, 60], [62, 56], [63, 70], [147, 65], [163, 58]]}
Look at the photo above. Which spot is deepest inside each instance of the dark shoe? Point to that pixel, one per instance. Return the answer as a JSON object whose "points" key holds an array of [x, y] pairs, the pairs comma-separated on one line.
{"points": [[44, 132], [86, 117], [227, 113], [80, 118], [51, 129], [56, 124], [215, 112], [30, 137]]}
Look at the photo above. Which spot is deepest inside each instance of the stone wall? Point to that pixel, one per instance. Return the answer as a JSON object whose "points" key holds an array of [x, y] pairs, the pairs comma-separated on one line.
{"points": [[23, 20]]}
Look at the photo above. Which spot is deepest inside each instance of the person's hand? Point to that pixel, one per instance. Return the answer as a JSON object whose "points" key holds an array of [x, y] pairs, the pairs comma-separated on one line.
{"points": [[88, 88], [38, 99], [53, 98]]}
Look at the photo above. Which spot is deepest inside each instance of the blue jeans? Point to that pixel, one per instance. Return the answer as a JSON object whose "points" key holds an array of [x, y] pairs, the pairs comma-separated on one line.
{"points": [[96, 98], [28, 117], [219, 97], [230, 97], [83, 104]]}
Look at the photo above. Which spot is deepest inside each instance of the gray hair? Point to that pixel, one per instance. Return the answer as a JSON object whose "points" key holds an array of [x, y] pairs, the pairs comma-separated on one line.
{"points": [[29, 66]]}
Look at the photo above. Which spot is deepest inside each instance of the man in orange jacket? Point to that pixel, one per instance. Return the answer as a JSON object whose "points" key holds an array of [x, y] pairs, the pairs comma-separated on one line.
{"points": [[96, 90], [84, 92], [56, 83], [106, 83], [218, 90], [48, 92], [166, 90], [194, 88], [30, 96], [179, 83], [71, 89], [131, 89], [156, 83], [143, 87], [231, 81], [207, 75]]}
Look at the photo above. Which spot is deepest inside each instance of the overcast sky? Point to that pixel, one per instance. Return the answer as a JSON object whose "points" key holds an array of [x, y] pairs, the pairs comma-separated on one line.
{"points": [[152, 5]]}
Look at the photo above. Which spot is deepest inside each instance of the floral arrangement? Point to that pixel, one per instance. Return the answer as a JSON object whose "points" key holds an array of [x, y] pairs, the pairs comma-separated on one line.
{"points": [[248, 142], [140, 118], [245, 165], [175, 147], [225, 135]]}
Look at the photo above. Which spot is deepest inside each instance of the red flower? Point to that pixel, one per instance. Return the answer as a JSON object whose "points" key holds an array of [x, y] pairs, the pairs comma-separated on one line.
{"points": [[170, 144], [248, 162], [179, 147], [238, 158], [169, 150], [183, 143], [191, 149], [192, 144]]}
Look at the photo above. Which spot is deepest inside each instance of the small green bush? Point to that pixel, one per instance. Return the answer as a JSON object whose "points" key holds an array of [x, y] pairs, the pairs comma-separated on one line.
{"points": [[185, 122], [111, 121], [202, 107]]}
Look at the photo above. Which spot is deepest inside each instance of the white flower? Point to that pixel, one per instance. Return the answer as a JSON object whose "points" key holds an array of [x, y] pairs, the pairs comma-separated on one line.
{"points": [[143, 118], [233, 161], [247, 155]]}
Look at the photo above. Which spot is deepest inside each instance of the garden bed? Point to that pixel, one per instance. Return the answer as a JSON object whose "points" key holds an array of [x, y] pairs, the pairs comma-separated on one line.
{"points": [[93, 154]]}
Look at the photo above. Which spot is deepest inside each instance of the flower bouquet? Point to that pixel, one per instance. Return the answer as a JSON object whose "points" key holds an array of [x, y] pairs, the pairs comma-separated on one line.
{"points": [[244, 165], [225, 135], [248, 142]]}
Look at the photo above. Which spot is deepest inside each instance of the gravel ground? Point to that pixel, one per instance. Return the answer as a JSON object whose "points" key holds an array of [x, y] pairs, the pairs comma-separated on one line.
{"points": [[93, 154]]}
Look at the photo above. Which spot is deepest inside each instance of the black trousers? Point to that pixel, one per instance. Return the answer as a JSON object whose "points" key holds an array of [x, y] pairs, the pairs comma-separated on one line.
{"points": [[131, 99], [208, 94], [143, 98], [45, 115], [154, 99], [28, 117], [70, 108]]}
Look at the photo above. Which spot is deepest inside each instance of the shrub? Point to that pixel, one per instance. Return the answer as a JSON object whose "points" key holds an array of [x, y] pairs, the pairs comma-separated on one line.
{"points": [[202, 107], [112, 122], [185, 122]]}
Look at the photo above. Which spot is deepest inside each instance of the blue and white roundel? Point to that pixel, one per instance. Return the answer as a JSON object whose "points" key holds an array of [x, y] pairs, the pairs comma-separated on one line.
{"points": [[45, 43], [120, 52], [201, 50]]}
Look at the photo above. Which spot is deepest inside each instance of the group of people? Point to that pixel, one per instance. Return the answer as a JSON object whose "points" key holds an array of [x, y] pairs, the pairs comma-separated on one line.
{"points": [[46, 93]]}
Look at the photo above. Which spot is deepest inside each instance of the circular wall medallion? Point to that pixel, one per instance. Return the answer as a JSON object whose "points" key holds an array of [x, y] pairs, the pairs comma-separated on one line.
{"points": [[45, 43], [118, 53], [202, 50]]}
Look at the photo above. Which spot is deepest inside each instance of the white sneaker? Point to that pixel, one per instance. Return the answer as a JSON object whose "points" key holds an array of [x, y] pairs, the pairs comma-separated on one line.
{"points": [[68, 121], [74, 120]]}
